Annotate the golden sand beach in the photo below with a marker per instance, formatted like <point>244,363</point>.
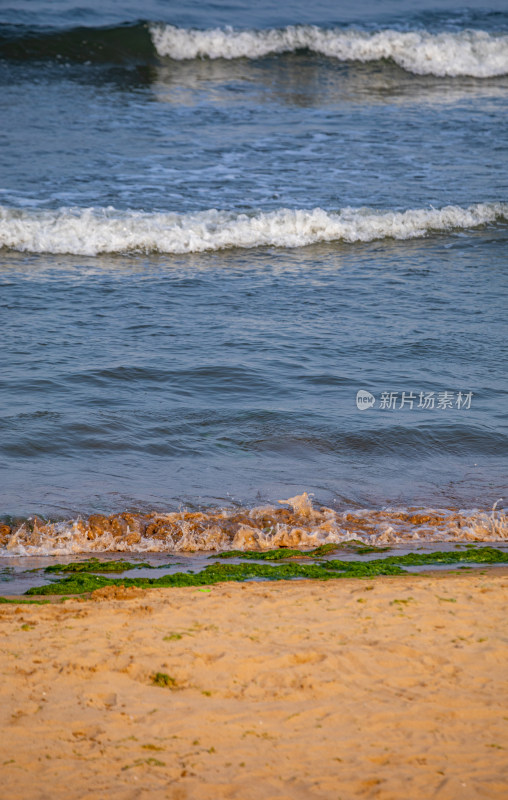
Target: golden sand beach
<point>388,688</point>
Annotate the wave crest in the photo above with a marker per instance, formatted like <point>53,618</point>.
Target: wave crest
<point>470,53</point>
<point>262,528</point>
<point>92,231</point>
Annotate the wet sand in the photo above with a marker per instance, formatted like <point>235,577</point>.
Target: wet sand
<point>387,688</point>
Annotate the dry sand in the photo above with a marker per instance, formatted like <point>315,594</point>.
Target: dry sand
<point>392,688</point>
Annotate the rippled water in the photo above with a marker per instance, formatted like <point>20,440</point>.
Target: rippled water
<point>206,254</point>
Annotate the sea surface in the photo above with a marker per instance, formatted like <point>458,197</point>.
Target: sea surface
<point>251,253</point>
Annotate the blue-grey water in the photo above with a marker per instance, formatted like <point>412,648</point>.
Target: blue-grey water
<point>215,230</point>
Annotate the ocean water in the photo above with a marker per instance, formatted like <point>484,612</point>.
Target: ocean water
<point>252,253</point>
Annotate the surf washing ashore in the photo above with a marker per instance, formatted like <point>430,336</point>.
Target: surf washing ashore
<point>253,426</point>
<point>258,529</point>
<point>305,541</point>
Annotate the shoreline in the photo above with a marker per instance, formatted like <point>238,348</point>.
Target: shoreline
<point>326,562</point>
<point>116,590</point>
<point>387,688</point>
<point>121,590</point>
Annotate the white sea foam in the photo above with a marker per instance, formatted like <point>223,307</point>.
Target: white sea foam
<point>92,231</point>
<point>262,528</point>
<point>473,53</point>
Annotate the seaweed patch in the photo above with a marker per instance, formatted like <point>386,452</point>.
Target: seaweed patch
<point>95,565</point>
<point>81,582</point>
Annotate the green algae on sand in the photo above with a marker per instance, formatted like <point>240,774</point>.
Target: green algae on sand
<point>82,582</point>
<point>94,565</point>
<point>17,601</point>
<point>164,680</point>
<point>286,552</point>
<point>218,573</point>
<point>478,555</point>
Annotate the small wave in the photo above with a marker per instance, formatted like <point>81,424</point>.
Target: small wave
<point>262,528</point>
<point>92,231</point>
<point>470,53</point>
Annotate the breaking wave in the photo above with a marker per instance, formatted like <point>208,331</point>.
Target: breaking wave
<point>471,53</point>
<point>263,528</point>
<point>92,231</point>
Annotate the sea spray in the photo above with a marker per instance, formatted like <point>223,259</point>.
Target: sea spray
<point>262,528</point>
<point>473,53</point>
